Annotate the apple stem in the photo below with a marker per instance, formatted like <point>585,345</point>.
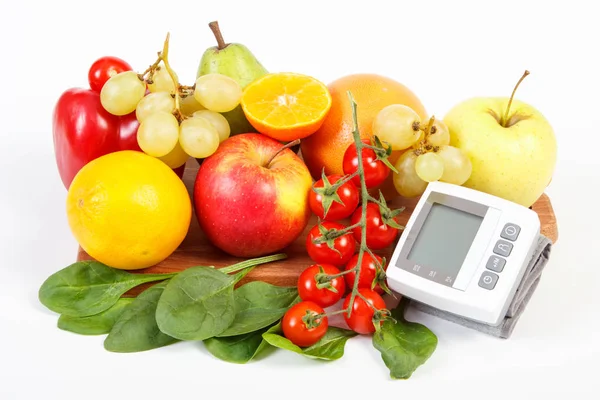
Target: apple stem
<point>214,27</point>
<point>505,117</point>
<point>286,146</point>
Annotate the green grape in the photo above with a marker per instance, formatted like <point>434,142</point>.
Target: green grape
<point>394,125</point>
<point>154,102</point>
<point>158,134</point>
<point>218,92</point>
<point>162,82</point>
<point>441,137</point>
<point>176,157</point>
<point>457,166</point>
<point>121,94</point>
<point>406,181</point>
<point>198,137</point>
<point>189,105</point>
<point>429,167</point>
<point>217,120</point>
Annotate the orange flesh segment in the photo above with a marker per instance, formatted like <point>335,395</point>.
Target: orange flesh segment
<point>287,100</point>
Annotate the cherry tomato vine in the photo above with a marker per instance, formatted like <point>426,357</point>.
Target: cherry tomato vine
<point>366,165</point>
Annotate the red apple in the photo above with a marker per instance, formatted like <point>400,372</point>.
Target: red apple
<point>248,206</point>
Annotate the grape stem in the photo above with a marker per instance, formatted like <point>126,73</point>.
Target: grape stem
<point>504,121</point>
<point>164,56</point>
<point>150,68</point>
<point>427,131</point>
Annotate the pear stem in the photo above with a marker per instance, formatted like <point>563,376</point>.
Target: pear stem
<point>505,117</point>
<point>287,146</point>
<point>214,27</point>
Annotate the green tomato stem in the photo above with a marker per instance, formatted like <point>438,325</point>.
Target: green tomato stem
<point>342,181</point>
<point>365,198</point>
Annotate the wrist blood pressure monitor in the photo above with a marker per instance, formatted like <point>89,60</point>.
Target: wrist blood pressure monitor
<point>464,252</point>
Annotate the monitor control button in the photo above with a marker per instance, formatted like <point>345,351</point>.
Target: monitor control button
<point>495,263</point>
<point>488,280</point>
<point>503,248</point>
<point>510,232</point>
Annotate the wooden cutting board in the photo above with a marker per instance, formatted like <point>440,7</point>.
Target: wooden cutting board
<point>196,250</point>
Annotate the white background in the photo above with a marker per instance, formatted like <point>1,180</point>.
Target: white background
<point>445,51</point>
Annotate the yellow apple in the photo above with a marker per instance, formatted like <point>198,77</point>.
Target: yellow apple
<point>514,160</point>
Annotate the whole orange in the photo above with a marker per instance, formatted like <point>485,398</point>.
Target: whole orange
<point>325,148</point>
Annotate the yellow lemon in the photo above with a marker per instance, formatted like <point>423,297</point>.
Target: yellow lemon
<point>128,210</point>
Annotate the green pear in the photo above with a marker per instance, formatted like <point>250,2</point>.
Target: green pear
<point>237,62</point>
<point>513,150</point>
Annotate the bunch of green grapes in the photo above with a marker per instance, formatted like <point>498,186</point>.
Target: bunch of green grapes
<point>428,156</point>
<point>195,128</point>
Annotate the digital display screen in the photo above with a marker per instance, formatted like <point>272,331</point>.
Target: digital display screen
<point>443,243</point>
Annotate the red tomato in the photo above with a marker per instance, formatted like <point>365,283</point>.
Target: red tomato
<point>321,253</point>
<point>368,272</point>
<point>379,235</point>
<point>296,330</point>
<point>361,318</point>
<point>348,194</point>
<point>103,69</point>
<point>308,290</point>
<point>375,170</point>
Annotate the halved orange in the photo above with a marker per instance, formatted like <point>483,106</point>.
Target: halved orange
<point>286,106</point>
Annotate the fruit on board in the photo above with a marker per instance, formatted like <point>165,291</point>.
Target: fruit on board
<point>105,68</point>
<point>302,325</point>
<point>286,106</point>
<point>235,61</point>
<point>375,171</point>
<point>332,205</point>
<point>251,200</point>
<point>361,318</point>
<point>128,210</point>
<point>217,92</point>
<point>314,286</point>
<point>121,94</point>
<point>325,148</point>
<point>513,153</point>
<point>83,131</point>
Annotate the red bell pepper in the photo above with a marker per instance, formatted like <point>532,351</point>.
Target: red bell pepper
<point>83,131</point>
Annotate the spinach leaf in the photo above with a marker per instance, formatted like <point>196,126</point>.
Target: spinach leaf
<point>136,328</point>
<point>197,304</point>
<point>237,349</point>
<point>330,347</point>
<point>404,345</point>
<point>98,324</point>
<point>257,305</point>
<point>89,287</point>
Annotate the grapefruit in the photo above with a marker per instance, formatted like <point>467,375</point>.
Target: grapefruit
<point>325,148</point>
<point>128,210</point>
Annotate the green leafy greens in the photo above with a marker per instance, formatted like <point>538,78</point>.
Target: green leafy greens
<point>88,287</point>
<point>404,345</point>
<point>136,328</point>
<point>330,347</point>
<point>257,305</point>
<point>97,324</point>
